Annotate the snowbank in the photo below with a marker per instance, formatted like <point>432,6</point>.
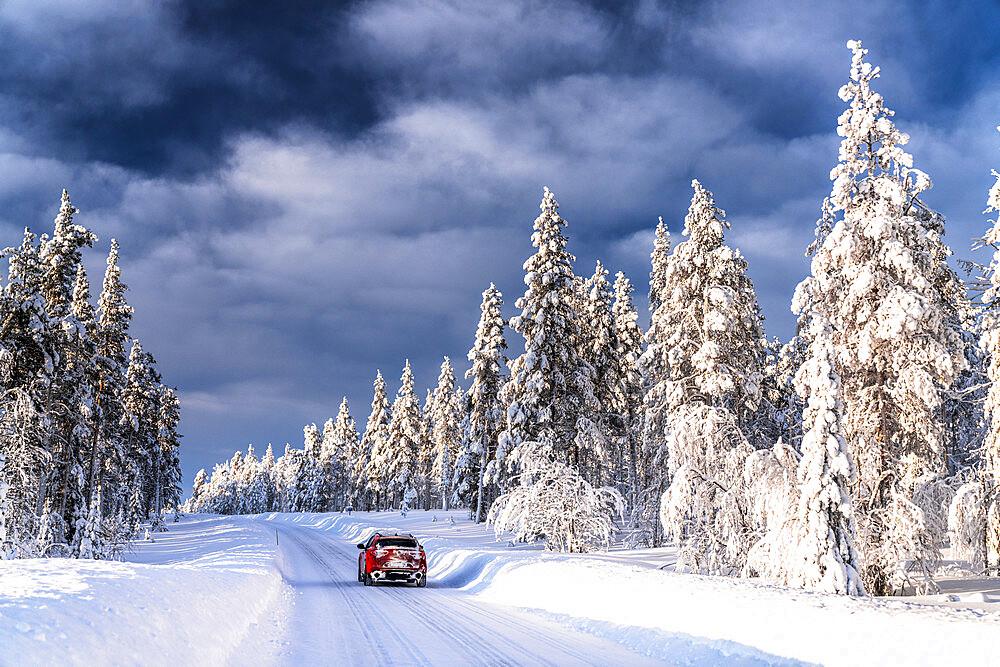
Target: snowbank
<point>190,597</point>
<point>625,596</point>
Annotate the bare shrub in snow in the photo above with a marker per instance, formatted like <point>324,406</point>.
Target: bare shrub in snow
<point>560,506</point>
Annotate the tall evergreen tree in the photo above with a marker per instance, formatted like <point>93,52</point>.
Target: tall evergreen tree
<point>600,350</point>
<point>465,481</point>
<point>627,396</point>
<point>405,433</point>
<point>79,380</point>
<point>376,444</point>
<point>703,367</point>
<point>141,454</point>
<point>330,492</point>
<point>446,416</point>
<point>880,279</point>
<point>486,414</point>
<point>60,258</point>
<point>113,318</point>
<point>312,479</point>
<point>167,486</point>
<point>345,434</point>
<point>550,383</point>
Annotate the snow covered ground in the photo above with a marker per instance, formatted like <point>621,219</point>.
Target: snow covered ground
<point>281,589</point>
<point>188,598</point>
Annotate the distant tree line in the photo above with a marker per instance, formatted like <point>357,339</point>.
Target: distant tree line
<point>88,431</point>
<point>841,460</point>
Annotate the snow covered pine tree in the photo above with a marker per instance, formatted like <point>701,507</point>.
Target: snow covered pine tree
<point>550,435</point>
<point>879,279</point>
<point>706,340</point>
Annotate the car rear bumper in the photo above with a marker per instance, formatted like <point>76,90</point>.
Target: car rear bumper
<point>408,576</point>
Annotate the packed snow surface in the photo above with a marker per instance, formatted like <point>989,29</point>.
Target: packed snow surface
<point>282,589</point>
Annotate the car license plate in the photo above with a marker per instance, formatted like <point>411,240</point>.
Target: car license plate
<point>397,563</point>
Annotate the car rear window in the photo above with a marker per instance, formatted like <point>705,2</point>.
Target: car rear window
<point>396,542</point>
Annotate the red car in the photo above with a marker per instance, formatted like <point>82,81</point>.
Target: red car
<point>393,557</point>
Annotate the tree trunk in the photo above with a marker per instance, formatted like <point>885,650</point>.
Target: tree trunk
<point>633,472</point>
<point>44,480</point>
<point>156,483</point>
<point>66,466</point>
<point>92,468</point>
<point>479,491</point>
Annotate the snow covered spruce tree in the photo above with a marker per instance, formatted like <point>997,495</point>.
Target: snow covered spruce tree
<point>167,470</point>
<point>600,350</point>
<point>375,443</point>
<point>28,338</point>
<point>654,373</point>
<point>703,372</point>
<point>551,385</point>
<point>612,347</point>
<point>424,478</point>
<point>465,481</point>
<point>114,316</point>
<point>446,416</point>
<point>627,390</point>
<point>309,484</point>
<point>345,438</point>
<point>879,278</point>
<point>990,494</point>
<point>485,411</point>
<point>60,258</point>
<point>550,436</point>
<point>404,437</point>
<point>817,551</point>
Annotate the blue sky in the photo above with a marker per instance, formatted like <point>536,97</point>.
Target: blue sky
<point>307,193</point>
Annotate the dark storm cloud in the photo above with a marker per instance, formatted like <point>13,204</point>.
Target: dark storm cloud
<point>305,194</point>
<point>159,87</point>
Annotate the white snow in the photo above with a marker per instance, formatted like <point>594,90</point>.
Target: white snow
<point>188,598</point>
<point>219,590</point>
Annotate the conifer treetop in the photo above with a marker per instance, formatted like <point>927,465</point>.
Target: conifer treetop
<point>705,223</point>
<point>61,255</point>
<point>658,265</point>
<point>871,146</point>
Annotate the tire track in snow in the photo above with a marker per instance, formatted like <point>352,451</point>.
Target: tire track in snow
<point>469,644</point>
<point>457,630</point>
<point>376,642</point>
<point>363,628</point>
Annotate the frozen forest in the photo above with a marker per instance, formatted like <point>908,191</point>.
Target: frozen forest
<point>842,460</point>
<point>88,431</point>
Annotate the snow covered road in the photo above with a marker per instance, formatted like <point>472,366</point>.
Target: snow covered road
<point>281,589</point>
<point>333,618</point>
